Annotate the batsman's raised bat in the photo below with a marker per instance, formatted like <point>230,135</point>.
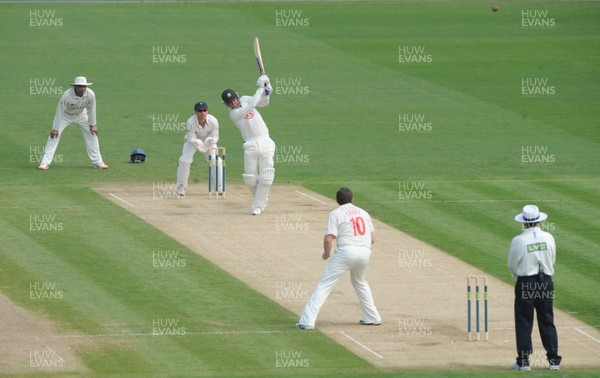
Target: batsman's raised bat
<point>259,60</point>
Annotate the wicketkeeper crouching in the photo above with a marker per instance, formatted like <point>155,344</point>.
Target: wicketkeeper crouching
<point>202,134</point>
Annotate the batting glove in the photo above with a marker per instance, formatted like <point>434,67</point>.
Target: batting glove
<point>262,80</point>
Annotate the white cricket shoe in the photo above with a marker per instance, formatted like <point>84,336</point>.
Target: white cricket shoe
<point>304,326</point>
<point>257,211</point>
<point>101,165</point>
<point>180,191</point>
<point>43,167</point>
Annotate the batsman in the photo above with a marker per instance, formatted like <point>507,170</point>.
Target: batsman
<point>259,148</point>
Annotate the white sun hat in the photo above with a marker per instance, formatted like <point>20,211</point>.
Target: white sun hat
<point>81,80</point>
<point>531,214</point>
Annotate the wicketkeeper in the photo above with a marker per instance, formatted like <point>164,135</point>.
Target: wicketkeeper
<point>259,148</point>
<point>202,135</point>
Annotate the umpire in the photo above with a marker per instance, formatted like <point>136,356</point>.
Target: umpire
<point>531,262</point>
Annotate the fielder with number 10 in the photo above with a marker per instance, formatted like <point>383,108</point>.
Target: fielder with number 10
<point>353,231</point>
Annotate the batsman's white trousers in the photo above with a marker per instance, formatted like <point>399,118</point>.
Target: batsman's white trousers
<point>91,141</point>
<point>355,260</point>
<point>258,154</point>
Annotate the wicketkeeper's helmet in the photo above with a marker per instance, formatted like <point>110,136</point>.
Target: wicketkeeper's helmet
<point>138,156</point>
<point>228,95</point>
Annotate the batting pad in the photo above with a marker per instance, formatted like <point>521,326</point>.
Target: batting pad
<point>250,180</point>
<point>263,187</point>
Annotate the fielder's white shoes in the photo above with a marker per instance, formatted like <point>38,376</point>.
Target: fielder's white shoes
<point>257,211</point>
<point>180,191</point>
<point>43,167</point>
<point>303,326</point>
<point>362,322</point>
<point>101,165</point>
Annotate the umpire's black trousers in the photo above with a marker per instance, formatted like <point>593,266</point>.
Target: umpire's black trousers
<point>535,293</point>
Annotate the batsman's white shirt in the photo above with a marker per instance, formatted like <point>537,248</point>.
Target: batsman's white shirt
<point>351,225</point>
<point>195,131</point>
<point>531,251</point>
<point>247,119</point>
<point>72,108</point>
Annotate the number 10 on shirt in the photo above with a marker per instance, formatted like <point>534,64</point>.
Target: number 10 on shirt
<point>358,225</point>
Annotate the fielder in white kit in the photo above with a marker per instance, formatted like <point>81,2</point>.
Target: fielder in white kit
<point>77,105</point>
<point>353,231</point>
<point>202,135</point>
<point>259,148</point>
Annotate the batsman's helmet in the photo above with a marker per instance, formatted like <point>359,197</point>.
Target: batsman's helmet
<point>138,156</point>
<point>228,95</point>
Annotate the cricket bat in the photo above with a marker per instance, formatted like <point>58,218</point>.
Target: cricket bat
<point>257,54</point>
<point>259,60</point>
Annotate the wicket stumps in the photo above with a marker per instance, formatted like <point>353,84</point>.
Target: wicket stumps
<point>473,282</point>
<point>216,172</point>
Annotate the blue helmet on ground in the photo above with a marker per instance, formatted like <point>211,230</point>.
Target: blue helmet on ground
<point>138,156</point>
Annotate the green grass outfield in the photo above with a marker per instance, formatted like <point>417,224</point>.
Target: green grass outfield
<point>504,115</point>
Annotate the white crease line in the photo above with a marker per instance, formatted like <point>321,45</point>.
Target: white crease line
<point>312,198</point>
<point>362,345</point>
<point>121,199</point>
<point>588,335</point>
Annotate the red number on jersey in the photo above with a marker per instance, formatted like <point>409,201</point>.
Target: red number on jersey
<point>358,224</point>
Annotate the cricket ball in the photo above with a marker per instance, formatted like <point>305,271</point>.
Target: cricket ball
<point>495,8</point>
